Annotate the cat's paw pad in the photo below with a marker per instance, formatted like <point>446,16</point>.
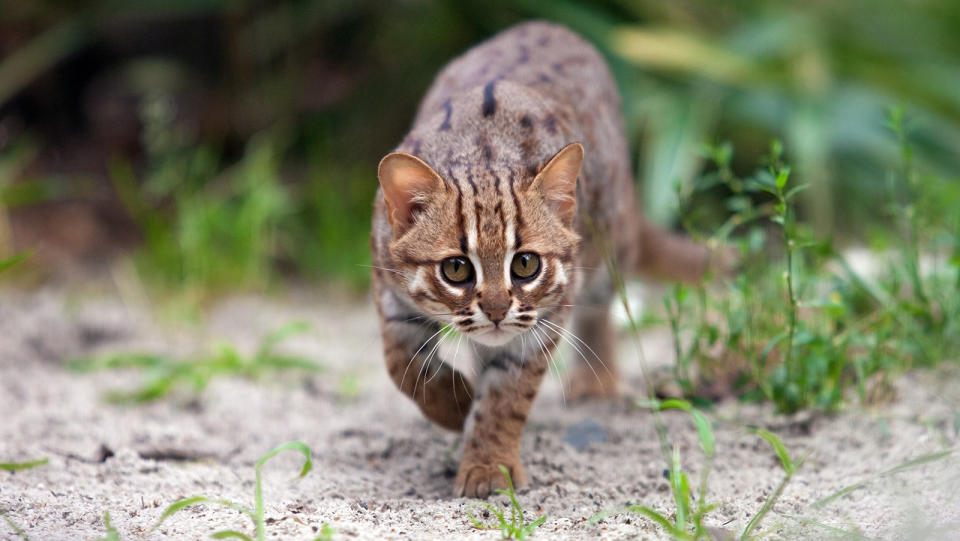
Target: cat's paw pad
<point>479,480</point>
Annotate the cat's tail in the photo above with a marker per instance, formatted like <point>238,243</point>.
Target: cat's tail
<point>670,256</point>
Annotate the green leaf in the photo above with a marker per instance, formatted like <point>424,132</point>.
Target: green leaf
<point>279,335</point>
<point>326,533</point>
<point>660,520</point>
<point>13,525</point>
<point>289,446</point>
<point>479,525</point>
<point>18,466</point>
<point>179,505</point>
<point>779,448</point>
<point>782,176</point>
<point>896,469</point>
<point>231,534</point>
<point>13,261</point>
<point>111,534</point>
<point>795,190</point>
<point>533,526</point>
<point>704,429</point>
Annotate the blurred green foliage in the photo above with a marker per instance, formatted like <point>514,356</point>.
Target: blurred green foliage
<point>305,97</point>
<point>803,332</point>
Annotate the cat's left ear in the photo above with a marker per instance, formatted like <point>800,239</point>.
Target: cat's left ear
<point>407,183</point>
<point>557,181</point>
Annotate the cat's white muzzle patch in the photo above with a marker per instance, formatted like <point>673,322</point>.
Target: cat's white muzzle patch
<point>493,337</point>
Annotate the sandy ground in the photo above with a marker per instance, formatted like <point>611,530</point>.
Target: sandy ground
<point>381,471</point>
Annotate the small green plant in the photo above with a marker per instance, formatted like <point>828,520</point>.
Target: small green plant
<point>514,528</point>
<point>687,524</point>
<point>111,534</point>
<point>163,375</point>
<point>257,513</point>
<point>689,515</point>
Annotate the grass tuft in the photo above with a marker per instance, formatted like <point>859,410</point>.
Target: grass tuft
<point>163,375</point>
<point>514,528</point>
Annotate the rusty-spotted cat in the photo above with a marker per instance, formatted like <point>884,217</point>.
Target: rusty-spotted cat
<point>482,226</point>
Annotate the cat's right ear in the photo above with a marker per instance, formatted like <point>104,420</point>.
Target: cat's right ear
<point>407,183</point>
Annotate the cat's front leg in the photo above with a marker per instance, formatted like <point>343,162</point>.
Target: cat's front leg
<point>505,393</point>
<point>410,348</point>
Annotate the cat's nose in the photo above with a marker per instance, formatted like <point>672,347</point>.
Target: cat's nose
<point>495,312</point>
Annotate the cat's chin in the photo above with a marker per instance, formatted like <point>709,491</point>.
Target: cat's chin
<point>493,337</point>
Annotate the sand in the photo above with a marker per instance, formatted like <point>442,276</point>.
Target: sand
<point>382,472</point>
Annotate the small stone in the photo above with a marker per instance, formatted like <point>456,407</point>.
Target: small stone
<point>583,434</point>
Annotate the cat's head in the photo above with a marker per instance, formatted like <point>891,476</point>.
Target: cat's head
<point>487,255</point>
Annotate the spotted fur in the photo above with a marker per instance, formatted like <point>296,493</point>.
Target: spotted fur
<point>518,147</point>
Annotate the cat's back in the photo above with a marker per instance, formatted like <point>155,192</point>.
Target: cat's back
<point>546,58</point>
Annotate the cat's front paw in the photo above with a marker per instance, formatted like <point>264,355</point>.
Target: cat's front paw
<point>475,480</point>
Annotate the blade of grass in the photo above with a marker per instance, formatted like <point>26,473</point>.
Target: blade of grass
<point>661,520</point>
<point>788,466</point>
<point>19,466</point>
<point>13,525</point>
<point>779,448</point>
<point>843,534</point>
<point>924,459</point>
<point>179,505</point>
<point>231,534</point>
<point>25,64</point>
<point>258,487</point>
<point>13,261</point>
<point>111,534</point>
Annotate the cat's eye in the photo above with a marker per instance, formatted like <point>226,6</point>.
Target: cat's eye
<point>457,269</point>
<point>525,265</point>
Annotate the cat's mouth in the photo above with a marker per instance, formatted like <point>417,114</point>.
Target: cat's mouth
<point>493,336</point>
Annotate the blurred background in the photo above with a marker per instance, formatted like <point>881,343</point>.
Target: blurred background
<point>211,145</point>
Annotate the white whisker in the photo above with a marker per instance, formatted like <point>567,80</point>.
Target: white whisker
<point>550,360</point>
<point>573,345</point>
<point>568,332</point>
<point>414,356</point>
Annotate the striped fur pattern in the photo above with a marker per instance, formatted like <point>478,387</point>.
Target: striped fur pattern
<point>517,153</point>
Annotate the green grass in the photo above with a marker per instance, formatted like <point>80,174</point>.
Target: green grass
<point>256,514</point>
<point>517,526</point>
<point>691,508</point>
<point>806,331</point>
<point>163,375</point>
